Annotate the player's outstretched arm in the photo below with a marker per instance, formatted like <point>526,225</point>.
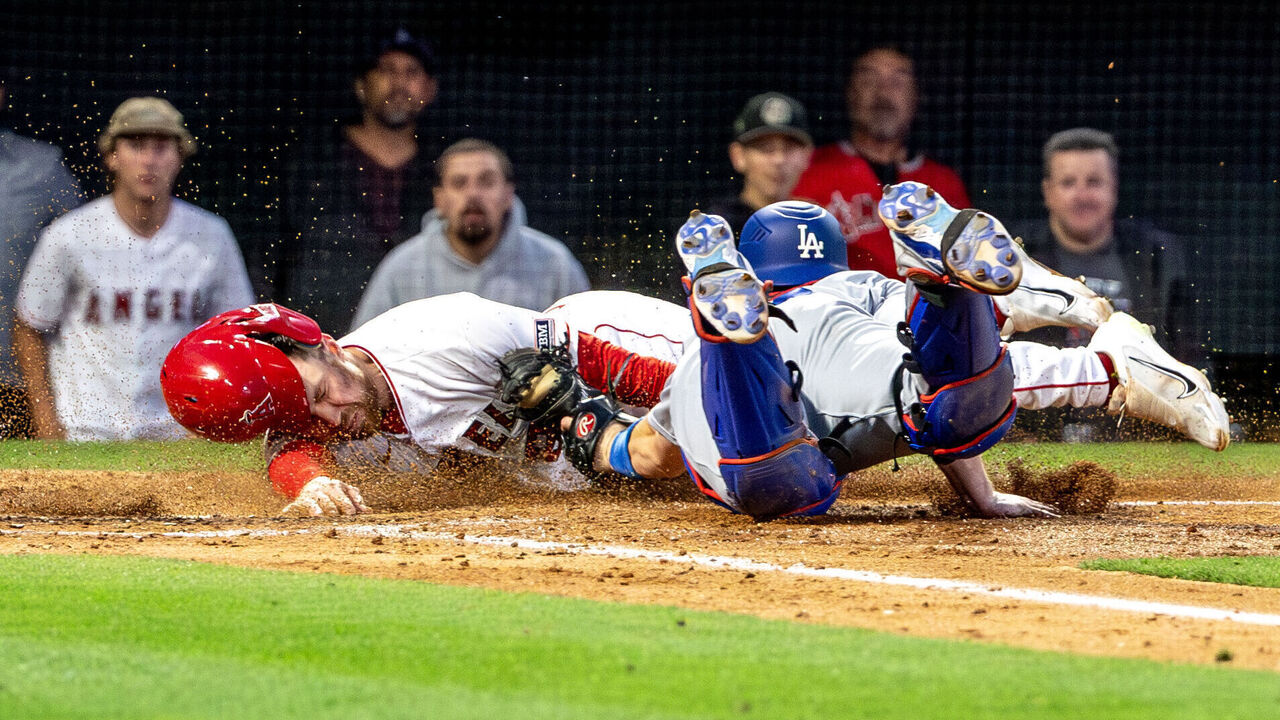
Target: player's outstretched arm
<point>969,479</point>
<point>649,455</point>
<point>652,455</point>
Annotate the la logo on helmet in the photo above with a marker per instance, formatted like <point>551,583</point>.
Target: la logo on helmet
<point>809,243</point>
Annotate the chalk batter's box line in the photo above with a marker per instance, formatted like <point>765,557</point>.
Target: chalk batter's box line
<point>721,562</point>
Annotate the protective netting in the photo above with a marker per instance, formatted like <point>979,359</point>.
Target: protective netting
<point>617,114</point>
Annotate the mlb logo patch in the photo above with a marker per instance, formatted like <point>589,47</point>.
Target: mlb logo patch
<point>544,329</point>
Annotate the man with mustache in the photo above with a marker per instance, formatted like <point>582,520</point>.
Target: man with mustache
<point>846,177</point>
<point>352,195</point>
<point>475,240</point>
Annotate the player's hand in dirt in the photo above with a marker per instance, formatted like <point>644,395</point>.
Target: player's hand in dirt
<point>326,496</point>
<point>1010,505</point>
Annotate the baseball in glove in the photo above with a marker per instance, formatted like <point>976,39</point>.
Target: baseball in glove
<point>541,384</point>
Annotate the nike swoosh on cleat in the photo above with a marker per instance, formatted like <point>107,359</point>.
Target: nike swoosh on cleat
<point>1188,385</point>
<point>1067,298</point>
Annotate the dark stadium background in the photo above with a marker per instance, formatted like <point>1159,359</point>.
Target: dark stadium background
<point>616,115</point>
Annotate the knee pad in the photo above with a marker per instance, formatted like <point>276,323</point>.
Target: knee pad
<point>750,398</point>
<point>796,479</point>
<point>964,418</point>
<point>953,336</point>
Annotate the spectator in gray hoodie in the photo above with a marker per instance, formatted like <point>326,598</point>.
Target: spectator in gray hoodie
<point>475,240</point>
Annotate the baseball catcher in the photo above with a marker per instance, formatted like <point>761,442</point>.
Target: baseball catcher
<point>778,401</point>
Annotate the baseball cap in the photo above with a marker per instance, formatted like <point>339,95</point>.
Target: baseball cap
<point>401,41</point>
<point>147,116</point>
<point>769,113</point>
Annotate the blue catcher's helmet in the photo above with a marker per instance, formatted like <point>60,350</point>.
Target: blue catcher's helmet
<point>793,243</point>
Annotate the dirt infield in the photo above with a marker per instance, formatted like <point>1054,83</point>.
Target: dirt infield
<point>652,547</point>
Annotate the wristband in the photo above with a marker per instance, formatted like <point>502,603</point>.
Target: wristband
<point>620,453</point>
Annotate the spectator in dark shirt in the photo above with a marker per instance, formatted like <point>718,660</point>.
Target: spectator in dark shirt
<point>771,147</point>
<point>350,199</point>
<point>1140,268</point>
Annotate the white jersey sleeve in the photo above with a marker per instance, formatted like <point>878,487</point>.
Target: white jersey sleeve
<point>637,323</point>
<point>46,284</point>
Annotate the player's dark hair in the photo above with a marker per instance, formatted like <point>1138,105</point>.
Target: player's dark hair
<point>467,145</point>
<point>1081,138</point>
<point>879,47</point>
<point>290,347</point>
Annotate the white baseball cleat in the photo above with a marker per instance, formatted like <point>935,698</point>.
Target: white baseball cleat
<point>917,218</point>
<point>1047,298</point>
<point>1154,386</point>
<point>723,288</point>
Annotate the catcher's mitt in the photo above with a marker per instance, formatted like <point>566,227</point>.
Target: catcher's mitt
<point>541,384</point>
<point>590,418</point>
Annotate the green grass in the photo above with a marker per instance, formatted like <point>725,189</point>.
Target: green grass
<point>1148,459</point>
<point>183,455</point>
<point>1257,570</point>
<point>89,637</point>
<point>1130,459</point>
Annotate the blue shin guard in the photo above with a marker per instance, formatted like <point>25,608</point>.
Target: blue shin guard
<point>770,464</point>
<point>955,346</point>
<point>796,479</point>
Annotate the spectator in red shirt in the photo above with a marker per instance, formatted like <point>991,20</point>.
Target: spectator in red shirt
<point>846,177</point>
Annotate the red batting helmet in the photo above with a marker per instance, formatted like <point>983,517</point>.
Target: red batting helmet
<point>224,382</point>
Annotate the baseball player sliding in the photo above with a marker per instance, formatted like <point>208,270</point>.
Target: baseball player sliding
<point>416,382</point>
<point>768,409</point>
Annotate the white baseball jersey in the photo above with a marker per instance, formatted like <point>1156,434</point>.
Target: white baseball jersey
<point>440,357</point>
<point>112,304</point>
<point>846,345</point>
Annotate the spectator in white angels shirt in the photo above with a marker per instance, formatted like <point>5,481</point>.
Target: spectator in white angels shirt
<point>112,285</point>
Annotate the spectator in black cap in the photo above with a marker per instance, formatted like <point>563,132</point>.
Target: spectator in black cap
<point>353,195</point>
<point>770,149</point>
